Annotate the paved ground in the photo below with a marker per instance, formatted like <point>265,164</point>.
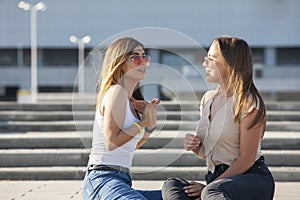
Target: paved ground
<point>63,190</point>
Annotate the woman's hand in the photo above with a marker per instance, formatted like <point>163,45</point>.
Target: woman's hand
<point>192,142</point>
<point>149,114</point>
<point>194,189</point>
<point>139,105</point>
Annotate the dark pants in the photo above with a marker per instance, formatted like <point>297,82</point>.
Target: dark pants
<point>255,184</point>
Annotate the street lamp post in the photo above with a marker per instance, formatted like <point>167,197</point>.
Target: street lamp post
<point>80,41</point>
<point>33,36</point>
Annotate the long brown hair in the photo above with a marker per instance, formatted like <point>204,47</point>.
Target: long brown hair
<point>237,58</point>
<point>116,54</point>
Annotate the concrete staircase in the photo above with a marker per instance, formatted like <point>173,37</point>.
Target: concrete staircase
<point>51,141</point>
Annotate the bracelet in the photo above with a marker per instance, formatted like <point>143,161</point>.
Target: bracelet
<point>149,130</point>
<point>138,126</point>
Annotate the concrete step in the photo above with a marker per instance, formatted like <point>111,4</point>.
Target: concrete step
<point>86,115</point>
<point>283,115</point>
<point>198,173</point>
<point>45,116</point>
<point>161,115</point>
<point>37,140</point>
<point>283,126</point>
<point>143,157</point>
<point>165,105</point>
<point>25,126</point>
<point>283,105</point>
<point>40,106</point>
<point>43,157</point>
<point>181,157</point>
<point>138,173</point>
<point>273,140</point>
<point>66,97</point>
<point>69,106</point>
<point>83,125</point>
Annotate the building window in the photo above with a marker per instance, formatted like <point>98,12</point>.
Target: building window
<point>288,56</point>
<point>27,57</point>
<point>8,57</point>
<point>55,57</point>
<point>258,55</point>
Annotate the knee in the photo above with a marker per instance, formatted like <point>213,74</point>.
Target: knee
<point>174,183</point>
<point>211,191</point>
<point>205,192</point>
<point>173,187</point>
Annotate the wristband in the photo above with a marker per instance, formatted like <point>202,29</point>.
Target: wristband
<point>149,130</point>
<point>138,126</point>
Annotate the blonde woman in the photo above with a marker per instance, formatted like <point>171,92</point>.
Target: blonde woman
<point>229,133</point>
<point>123,122</point>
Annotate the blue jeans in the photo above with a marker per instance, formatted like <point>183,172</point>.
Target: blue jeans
<point>112,185</point>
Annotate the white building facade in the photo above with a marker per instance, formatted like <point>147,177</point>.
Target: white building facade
<point>173,30</point>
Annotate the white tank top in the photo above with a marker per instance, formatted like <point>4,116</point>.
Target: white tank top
<point>121,156</point>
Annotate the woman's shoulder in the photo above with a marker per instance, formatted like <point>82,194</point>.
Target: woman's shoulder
<point>116,93</point>
<point>118,90</point>
<point>252,103</point>
<point>208,95</point>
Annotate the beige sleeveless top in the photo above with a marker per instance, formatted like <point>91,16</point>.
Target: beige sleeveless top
<point>220,136</point>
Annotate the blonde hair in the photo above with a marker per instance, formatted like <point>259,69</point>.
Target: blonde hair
<point>236,55</point>
<point>116,54</point>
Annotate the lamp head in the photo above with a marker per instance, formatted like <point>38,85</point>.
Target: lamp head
<point>73,39</point>
<point>86,39</point>
<point>23,5</point>
<point>41,6</point>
